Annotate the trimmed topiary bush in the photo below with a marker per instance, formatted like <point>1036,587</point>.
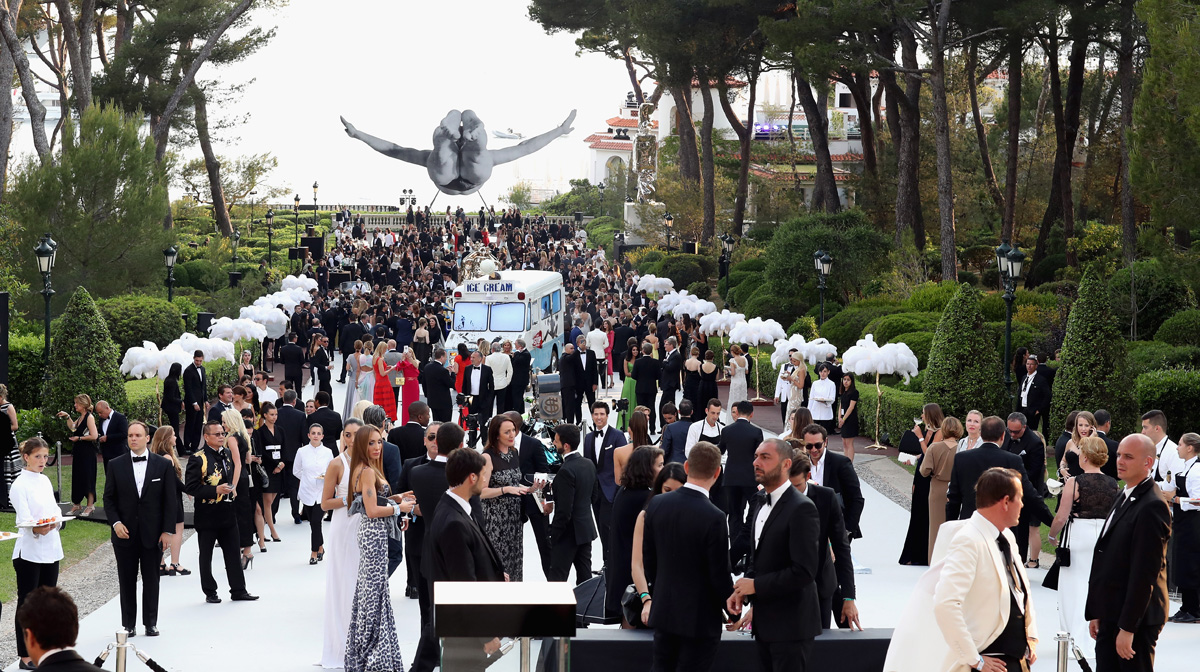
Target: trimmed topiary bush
<point>134,318</point>
<point>968,277</point>
<point>886,328</point>
<point>1159,296</point>
<point>1175,392</point>
<point>205,275</point>
<point>700,289</point>
<point>83,359</point>
<point>1092,367</point>
<point>1045,270</point>
<point>964,367</point>
<point>1182,328</point>
<point>1067,288</point>
<point>26,370</point>
<point>897,408</point>
<point>845,328</point>
<point>740,295</point>
<point>765,304</point>
<point>755,265</point>
<point>683,270</point>
<point>1147,356</point>
<point>805,326</point>
<point>831,308</point>
<point>919,342</point>
<point>739,276</point>
<point>931,297</point>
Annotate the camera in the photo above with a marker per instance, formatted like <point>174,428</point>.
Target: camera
<point>620,405</point>
<point>464,399</point>
<point>472,421</point>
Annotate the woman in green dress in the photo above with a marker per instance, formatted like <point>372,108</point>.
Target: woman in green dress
<point>627,389</point>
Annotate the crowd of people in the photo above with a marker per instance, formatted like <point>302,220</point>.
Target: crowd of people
<point>684,492</point>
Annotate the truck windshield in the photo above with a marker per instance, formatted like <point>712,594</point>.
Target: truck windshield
<point>508,317</point>
<point>469,316</point>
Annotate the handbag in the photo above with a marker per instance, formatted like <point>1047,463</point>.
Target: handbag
<point>631,607</point>
<point>1063,555</point>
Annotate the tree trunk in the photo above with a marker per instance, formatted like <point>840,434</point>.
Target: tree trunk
<point>1125,75</point>
<point>689,154</point>
<point>37,111</point>
<point>707,162</point>
<point>211,163</point>
<point>908,151</point>
<point>941,130</point>
<point>78,35</point>
<point>859,84</point>
<point>7,71</point>
<point>825,195</point>
<point>989,174</point>
<point>1016,62</point>
<point>745,134</point>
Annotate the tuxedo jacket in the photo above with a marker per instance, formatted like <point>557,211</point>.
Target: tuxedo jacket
<point>1039,394</point>
<point>839,475</point>
<point>591,370</point>
<point>205,471</point>
<point>117,442</point>
<point>674,440</point>
<point>410,437</point>
<point>438,384</point>
<point>738,442</point>
<point>522,365</point>
<point>602,457</point>
<point>459,551</point>
<point>292,427</point>
<point>646,371</point>
<point>685,552</point>
<point>1110,467</point>
<point>415,534</point>
<point>969,465</point>
<point>1128,583</point>
<point>331,425</point>
<point>428,484</point>
<point>66,661</point>
<point>487,389</point>
<point>292,356</point>
<point>574,485</point>
<point>784,568</point>
<point>671,367</point>
<point>149,514</point>
<point>570,371</point>
<point>195,386</point>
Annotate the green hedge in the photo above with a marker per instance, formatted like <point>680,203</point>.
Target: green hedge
<point>143,400</point>
<point>993,308</point>
<point>1145,356</point>
<point>964,366</point>
<point>845,328</point>
<point>887,327</point>
<point>805,326</point>
<point>682,270</point>
<point>83,358</point>
<point>765,303</point>
<point>1045,269</point>
<point>740,295</point>
<point>931,297</point>
<point>1067,288</point>
<point>919,342</point>
<point>700,289</point>
<point>1182,328</point>
<point>831,308</point>
<point>1159,295</point>
<point>737,277</point>
<point>134,318</point>
<point>755,265</point>
<point>26,371</point>
<point>896,411</point>
<point>1175,392</point>
<point>204,275</point>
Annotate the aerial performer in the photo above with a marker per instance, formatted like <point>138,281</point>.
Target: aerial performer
<point>460,162</point>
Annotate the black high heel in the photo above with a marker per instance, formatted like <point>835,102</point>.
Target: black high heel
<point>312,561</point>
<point>320,555</point>
<point>162,569</point>
<point>275,538</point>
<point>247,561</point>
<point>180,570</point>
<point>262,549</point>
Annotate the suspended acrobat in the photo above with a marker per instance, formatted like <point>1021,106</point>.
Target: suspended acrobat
<point>460,162</point>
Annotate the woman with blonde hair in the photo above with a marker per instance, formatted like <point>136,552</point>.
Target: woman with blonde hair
<point>1085,426</point>
<point>937,465</point>
<point>237,440</point>
<point>971,438</point>
<point>383,395</point>
<point>163,444</point>
<point>83,454</point>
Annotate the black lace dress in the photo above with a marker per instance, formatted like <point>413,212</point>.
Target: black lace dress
<point>502,515</point>
<point>691,388</point>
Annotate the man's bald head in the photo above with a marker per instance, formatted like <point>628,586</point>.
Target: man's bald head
<point>1135,458</point>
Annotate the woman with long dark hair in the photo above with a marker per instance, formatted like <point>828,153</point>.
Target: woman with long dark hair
<point>501,500</point>
<point>639,435</point>
<point>637,479</point>
<point>268,445</point>
<point>163,444</point>
<point>848,414</point>
<point>38,550</point>
<point>670,478</point>
<point>172,401</point>
<point>916,542</point>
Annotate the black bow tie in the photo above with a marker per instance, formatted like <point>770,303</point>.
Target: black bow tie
<point>140,459</point>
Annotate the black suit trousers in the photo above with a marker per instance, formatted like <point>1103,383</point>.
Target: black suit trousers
<point>783,656</point>
<point>428,655</point>
<point>570,400</point>
<point>131,557</point>
<point>541,531</point>
<point>736,499</point>
<point>675,653</point>
<point>1144,640</point>
<point>602,508</point>
<point>230,551</point>
<point>564,554</point>
<point>192,431</point>
<point>440,414</point>
<point>646,399</point>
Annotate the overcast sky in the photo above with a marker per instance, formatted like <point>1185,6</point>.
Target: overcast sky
<point>394,68</point>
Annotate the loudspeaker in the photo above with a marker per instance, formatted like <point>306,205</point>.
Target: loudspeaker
<point>690,247</point>
<point>203,321</point>
<point>336,278</point>
<point>296,253</point>
<point>315,244</point>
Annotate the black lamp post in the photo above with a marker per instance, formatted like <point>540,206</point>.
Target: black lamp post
<point>169,256</point>
<point>668,222</point>
<point>1009,259</point>
<point>296,215</point>
<point>823,263</point>
<point>314,204</point>
<point>235,276</point>
<point>270,227</point>
<point>601,199</point>
<point>253,193</point>
<point>46,252</point>
<point>727,243</point>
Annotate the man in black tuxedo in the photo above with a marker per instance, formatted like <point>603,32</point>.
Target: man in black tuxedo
<point>292,356</point>
<point>114,430</point>
<point>49,625</point>
<point>195,396</point>
<point>646,372</point>
<point>140,501</point>
<point>835,471</point>
<point>532,456</point>
<point>410,437</point>
<point>782,570</point>
<point>479,384</point>
<point>1033,395</point>
<point>351,331</point>
<point>834,574</point>
<point>598,447</point>
<point>674,434</point>
<point>969,465</point>
<point>459,551</point>
<point>293,427</point>
<point>685,552</point>
<point>672,368</point>
<point>223,402</point>
<point>329,420</point>
<point>522,366</point>
<point>1022,441</point>
<point>738,443</point>
<point>414,529</point>
<point>1103,426</point>
<point>572,531</point>
<point>428,484</point>
<point>591,371</point>
<point>209,479</point>
<point>571,378</point>
<point>621,336</point>
<point>322,366</point>
<point>1127,591</point>
<point>438,384</point>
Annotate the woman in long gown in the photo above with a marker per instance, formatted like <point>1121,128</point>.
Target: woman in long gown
<point>800,383</point>
<point>410,390</point>
<point>937,465</point>
<point>691,378</point>
<point>916,542</point>
<point>83,454</point>
<point>371,641</point>
<point>383,395</point>
<point>637,479</point>
<point>708,383</point>
<point>366,373</point>
<point>352,384</point>
<point>1086,501</point>
<point>172,401</point>
<point>501,500</point>
<point>737,378</point>
<point>421,345</point>
<point>629,387</point>
<point>341,568</point>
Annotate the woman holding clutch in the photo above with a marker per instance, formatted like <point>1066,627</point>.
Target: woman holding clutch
<point>38,549</point>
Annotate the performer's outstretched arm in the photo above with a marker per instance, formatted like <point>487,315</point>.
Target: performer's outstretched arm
<point>388,148</point>
<point>531,145</point>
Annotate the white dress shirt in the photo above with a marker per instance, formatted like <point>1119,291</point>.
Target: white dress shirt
<point>464,504</point>
<point>139,468</point>
<point>1025,385</point>
<point>697,488</point>
<point>104,425</point>
<point>311,462</point>
<point>822,389</point>
<point>33,498</point>
<point>818,468</point>
<point>475,373</point>
<point>699,430</point>
<point>764,512</point>
<point>1167,465</point>
<point>501,369</point>
<point>1121,502</point>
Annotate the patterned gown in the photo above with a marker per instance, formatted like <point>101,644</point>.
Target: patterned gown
<point>502,515</point>
<point>371,642</point>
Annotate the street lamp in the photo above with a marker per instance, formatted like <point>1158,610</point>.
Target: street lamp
<point>727,243</point>
<point>601,199</point>
<point>169,256</point>
<point>668,221</point>
<point>1010,259</point>
<point>270,227</point>
<point>296,215</point>
<point>237,238</point>
<point>314,204</point>
<point>823,263</point>
<point>46,252</point>
<point>253,193</point>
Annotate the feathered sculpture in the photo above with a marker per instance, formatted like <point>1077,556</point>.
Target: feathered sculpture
<point>757,332</point>
<point>213,348</point>
<point>235,330</point>
<point>694,308</point>
<point>655,285</point>
<point>818,349</point>
<point>667,303</point>
<point>784,347</point>
<point>273,319</point>
<point>866,357</point>
<point>720,323</point>
<point>302,282</point>
<point>142,362</point>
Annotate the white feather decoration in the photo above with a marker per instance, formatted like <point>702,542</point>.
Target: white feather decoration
<point>302,282</point>
<point>235,330</point>
<point>818,349</point>
<point>757,331</point>
<point>866,357</point>
<point>720,323</point>
<point>213,348</point>
<point>655,285</point>
<point>170,355</point>
<point>783,348</point>
<point>667,303</point>
<point>142,362</point>
<point>273,319</point>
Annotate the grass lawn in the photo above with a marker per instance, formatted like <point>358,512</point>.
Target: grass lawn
<point>79,537</point>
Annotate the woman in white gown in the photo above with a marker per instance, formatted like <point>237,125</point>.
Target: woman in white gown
<point>341,550</point>
<point>1086,501</point>
<point>352,363</point>
<point>798,380</point>
<point>737,376</point>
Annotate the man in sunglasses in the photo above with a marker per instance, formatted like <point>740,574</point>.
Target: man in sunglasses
<point>835,471</point>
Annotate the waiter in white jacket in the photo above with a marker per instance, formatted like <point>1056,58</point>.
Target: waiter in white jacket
<point>501,363</point>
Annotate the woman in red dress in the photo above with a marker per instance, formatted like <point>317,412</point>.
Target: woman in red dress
<point>461,361</point>
<point>383,395</point>
<point>410,390</point>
